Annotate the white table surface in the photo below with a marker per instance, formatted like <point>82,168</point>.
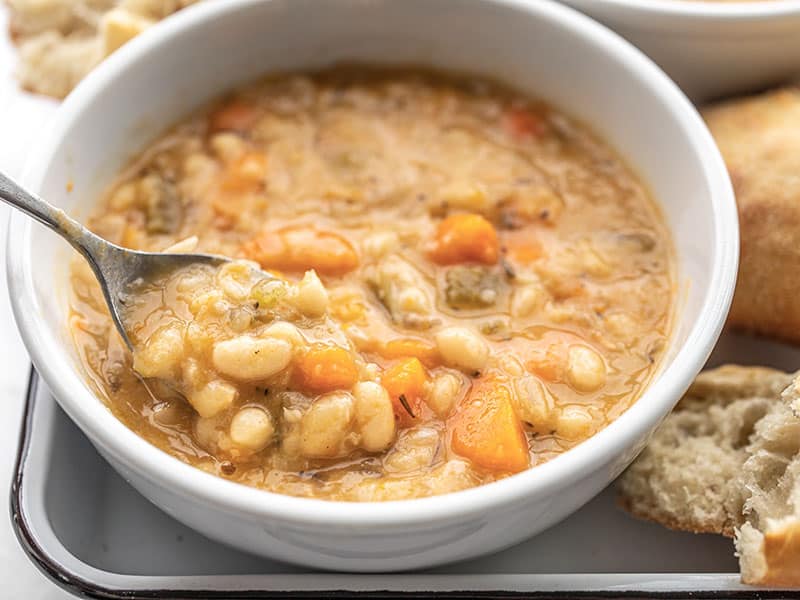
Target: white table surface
<point>22,116</point>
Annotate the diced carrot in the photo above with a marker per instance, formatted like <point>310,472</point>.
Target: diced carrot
<point>524,123</point>
<point>526,253</point>
<point>296,249</point>
<point>465,237</point>
<point>522,247</point>
<point>485,429</point>
<point>235,115</point>
<point>424,350</point>
<point>405,381</point>
<point>323,368</point>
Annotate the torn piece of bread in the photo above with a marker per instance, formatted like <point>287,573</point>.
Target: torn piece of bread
<point>759,138</point>
<point>685,477</point>
<point>768,542</point>
<point>119,26</point>
<point>727,460</point>
<point>53,64</point>
<point>31,17</point>
<point>60,41</point>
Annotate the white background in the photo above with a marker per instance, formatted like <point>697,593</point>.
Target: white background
<point>22,117</point>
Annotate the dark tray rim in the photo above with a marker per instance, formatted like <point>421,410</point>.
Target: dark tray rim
<point>81,587</point>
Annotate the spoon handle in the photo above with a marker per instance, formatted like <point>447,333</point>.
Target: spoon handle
<point>83,240</point>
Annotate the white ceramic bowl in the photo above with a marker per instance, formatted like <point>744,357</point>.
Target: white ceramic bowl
<point>542,47</point>
<point>711,49</point>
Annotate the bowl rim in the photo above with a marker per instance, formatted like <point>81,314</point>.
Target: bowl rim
<point>162,470</point>
<point>752,10</point>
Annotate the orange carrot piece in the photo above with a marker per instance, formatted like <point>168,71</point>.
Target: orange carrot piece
<point>522,247</point>
<point>405,381</point>
<point>524,123</point>
<point>300,248</point>
<point>323,368</point>
<point>235,115</point>
<point>465,237</point>
<point>485,429</point>
<point>425,351</point>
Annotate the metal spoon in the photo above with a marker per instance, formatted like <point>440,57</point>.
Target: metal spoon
<point>118,269</point>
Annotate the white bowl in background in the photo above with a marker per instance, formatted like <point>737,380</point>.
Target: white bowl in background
<point>711,49</point>
<point>540,47</point>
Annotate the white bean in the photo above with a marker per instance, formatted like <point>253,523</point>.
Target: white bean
<point>462,348</point>
<point>443,392</point>
<point>533,404</point>
<point>161,354</point>
<point>527,299</point>
<point>192,281</point>
<point>235,279</point>
<point>379,244</point>
<point>621,325</point>
<point>574,423</point>
<point>247,358</point>
<point>227,146</point>
<point>374,415</point>
<point>325,426</point>
<point>208,432</point>
<point>415,450</point>
<point>283,330</point>
<point>198,164</point>
<point>465,195</point>
<point>591,262</point>
<point>184,246</point>
<point>252,428</point>
<point>586,371</point>
<point>207,304</point>
<point>412,300</point>
<point>311,298</point>
<point>212,398</point>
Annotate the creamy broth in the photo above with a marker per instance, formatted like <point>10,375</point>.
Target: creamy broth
<point>440,282</point>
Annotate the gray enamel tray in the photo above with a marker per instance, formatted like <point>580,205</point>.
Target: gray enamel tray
<point>95,536</point>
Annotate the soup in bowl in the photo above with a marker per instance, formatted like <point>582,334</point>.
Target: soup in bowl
<point>450,283</point>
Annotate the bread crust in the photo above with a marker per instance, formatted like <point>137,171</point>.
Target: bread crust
<point>626,503</point>
<point>781,550</point>
<point>759,138</point>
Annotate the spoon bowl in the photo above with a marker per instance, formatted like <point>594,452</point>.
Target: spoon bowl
<point>119,270</point>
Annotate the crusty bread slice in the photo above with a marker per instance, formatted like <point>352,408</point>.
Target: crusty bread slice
<point>727,460</point>
<point>759,137</point>
<point>768,542</point>
<point>685,478</point>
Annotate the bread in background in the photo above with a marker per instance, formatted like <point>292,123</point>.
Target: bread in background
<point>60,41</point>
<point>759,138</point>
